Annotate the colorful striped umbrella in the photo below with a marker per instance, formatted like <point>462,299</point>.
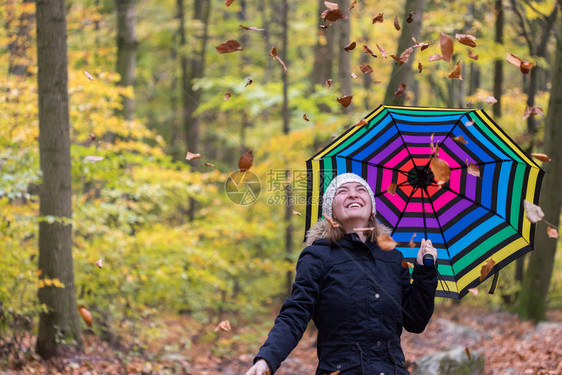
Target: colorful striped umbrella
<point>470,219</point>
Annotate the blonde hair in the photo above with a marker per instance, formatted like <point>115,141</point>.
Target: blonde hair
<point>336,234</point>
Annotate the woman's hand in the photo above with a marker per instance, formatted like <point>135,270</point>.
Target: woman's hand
<point>426,248</point>
<point>260,368</point>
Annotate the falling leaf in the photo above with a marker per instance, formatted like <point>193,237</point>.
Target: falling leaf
<point>524,66</point>
<point>382,51</point>
<point>88,75</point>
<point>441,170</point>
<point>332,14</point>
<point>552,232</point>
<point>460,139</point>
<point>92,137</point>
<point>251,28</point>
<point>467,40</point>
<point>404,57</point>
<point>363,229</point>
<point>305,117</point>
<point>392,188</point>
<point>475,57</point>
<point>472,169</point>
<point>99,263</point>
<point>366,68</point>
<point>228,3</point>
<point>332,222</point>
<point>456,73</point>
<point>296,213</point>
<point>333,373</point>
<point>361,123</point>
<point>324,26</point>
<point>386,242</point>
<point>246,161</point>
<point>329,83</point>
<point>86,315</point>
<point>486,269</point>
<point>491,100</point>
<point>331,6</point>
<point>368,50</point>
<point>419,66</point>
<point>410,17</point>
<point>353,75</point>
<point>223,326</point>
<point>273,54</point>
<point>353,4</point>
<point>435,57</point>
<point>407,264</point>
<point>227,47</point>
<point>396,23</point>
<point>447,47</point>
<point>227,96</point>
<point>379,18</point>
<point>473,291</point>
<point>468,353</point>
<point>400,90</point>
<point>345,101</point>
<point>532,211</point>
<point>350,47</point>
<point>377,82</point>
<point>248,82</point>
<point>423,45</point>
<point>532,111</point>
<point>469,123</point>
<point>411,243</point>
<point>540,156</point>
<point>38,273</point>
<point>191,156</point>
<point>93,158</point>
<point>210,165</point>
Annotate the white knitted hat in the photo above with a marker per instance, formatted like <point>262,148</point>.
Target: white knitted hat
<point>339,180</point>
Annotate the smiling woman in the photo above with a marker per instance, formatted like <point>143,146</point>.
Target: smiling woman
<point>358,295</point>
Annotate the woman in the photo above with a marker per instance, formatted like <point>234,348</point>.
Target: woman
<point>358,295</point>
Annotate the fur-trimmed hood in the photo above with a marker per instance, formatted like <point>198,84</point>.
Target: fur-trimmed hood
<point>319,230</point>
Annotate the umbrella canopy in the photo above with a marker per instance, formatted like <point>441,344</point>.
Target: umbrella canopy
<point>475,216</point>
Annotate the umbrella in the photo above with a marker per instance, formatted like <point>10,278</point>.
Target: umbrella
<point>475,216</point>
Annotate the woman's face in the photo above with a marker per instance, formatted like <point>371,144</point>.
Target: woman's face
<point>352,203</point>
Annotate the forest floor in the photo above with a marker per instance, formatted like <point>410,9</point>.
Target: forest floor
<point>509,346</point>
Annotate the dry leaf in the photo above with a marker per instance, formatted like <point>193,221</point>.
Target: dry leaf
<point>366,68</point>
<point>491,100</point>
<point>379,18</point>
<point>92,137</point>
<point>460,139</point>
<point>228,3</point>
<point>469,123</point>
<point>486,269</point>
<point>473,291</point>
<point>532,111</point>
<point>419,67</point>
<point>392,188</point>
<point>524,66</point>
<point>368,50</point>
<point>332,15</point>
<point>296,213</point>
<point>467,40</point>
<point>361,123</point>
<point>229,46</point>
<point>345,101</point>
<point>386,242</point>
<point>223,326</point>
<point>400,90</point>
<point>350,46</point>
<point>532,211</point>
<point>353,75</point>
<point>422,45</point>
<point>472,169</point>
<point>273,54</point>
<point>86,315</point>
<point>456,73</point>
<point>407,264</point>
<point>363,229</point>
<point>353,4</point>
<point>88,75</point>
<point>382,51</point>
<point>435,57</point>
<point>332,222</point>
<point>210,165</point>
<point>252,28</point>
<point>246,161</point>
<point>93,158</point>
<point>396,23</point>
<point>99,263</point>
<point>404,57</point>
<point>552,232</point>
<point>227,96</point>
<point>468,353</point>
<point>441,170</point>
<point>447,46</point>
<point>410,17</point>
<point>475,57</point>
<point>248,82</point>
<point>329,83</point>
<point>191,156</point>
<point>540,156</point>
<point>305,117</point>
<point>331,6</point>
<point>411,243</point>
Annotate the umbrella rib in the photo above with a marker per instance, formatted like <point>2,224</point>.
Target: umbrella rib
<point>493,162</point>
<point>401,137</point>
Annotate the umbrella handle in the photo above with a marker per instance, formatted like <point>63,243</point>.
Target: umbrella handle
<point>428,260</point>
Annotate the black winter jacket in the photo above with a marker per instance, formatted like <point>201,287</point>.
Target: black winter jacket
<point>359,297</point>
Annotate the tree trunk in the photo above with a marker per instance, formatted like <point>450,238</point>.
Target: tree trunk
<point>126,51</point>
<point>343,28</point>
<point>323,52</point>
<point>19,60</point>
<point>60,322</point>
<point>403,73</point>
<point>498,64</point>
<point>536,282</point>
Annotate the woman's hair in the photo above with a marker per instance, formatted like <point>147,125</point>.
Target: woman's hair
<point>336,234</point>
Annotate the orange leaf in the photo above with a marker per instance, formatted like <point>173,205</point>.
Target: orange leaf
<point>410,17</point>
<point>422,45</point>
<point>329,83</point>
<point>86,315</point>
<point>467,40</point>
<point>361,123</point>
<point>248,82</point>
<point>228,3</point>
<point>419,66</point>
<point>366,68</point>
<point>246,161</point>
<point>350,46</point>
<point>223,326</point>
<point>251,28</point>
<point>407,264</point>
<point>229,46</point>
<point>435,57</point>
<point>460,139</point>
<point>227,96</point>
<point>447,47</point>
<point>392,188</point>
<point>353,4</point>
<point>99,263</point>
<point>475,57</point>
<point>456,73</point>
<point>382,51</point>
<point>524,66</point>
<point>88,75</point>
<point>191,156</point>
<point>332,222</point>
<point>210,165</point>
<point>472,169</point>
<point>468,353</point>
<point>345,101</point>
<point>332,15</point>
<point>486,269</point>
<point>379,18</point>
<point>532,111</point>
<point>411,243</point>
<point>396,23</point>
<point>404,57</point>
<point>386,242</point>
<point>540,156</point>
<point>441,170</point>
<point>552,232</point>
<point>273,54</point>
<point>305,117</point>
<point>368,50</point>
<point>400,90</point>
